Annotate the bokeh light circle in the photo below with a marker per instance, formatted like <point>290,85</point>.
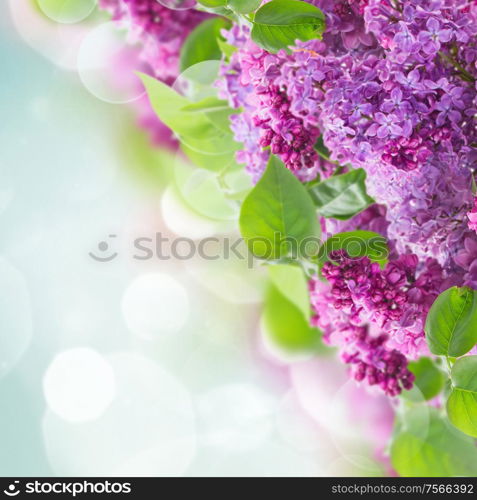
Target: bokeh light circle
<point>155,304</point>
<point>178,4</point>
<point>184,221</point>
<point>197,82</point>
<point>79,385</point>
<point>203,192</point>
<point>107,65</point>
<point>67,11</point>
<point>148,429</point>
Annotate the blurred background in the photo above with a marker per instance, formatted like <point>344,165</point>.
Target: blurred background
<point>138,367</point>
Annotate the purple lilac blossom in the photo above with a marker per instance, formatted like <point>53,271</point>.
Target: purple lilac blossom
<point>391,88</point>
<point>399,102</point>
<point>253,80</point>
<point>376,315</point>
<point>377,105</point>
<point>365,351</point>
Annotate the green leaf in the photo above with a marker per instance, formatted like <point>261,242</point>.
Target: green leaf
<point>202,192</point>
<point>429,380</point>
<point>429,447</point>
<point>278,214</point>
<point>285,327</point>
<point>279,23</point>
<point>291,281</point>
<point>343,196</point>
<point>213,162</point>
<point>216,110</point>
<point>196,130</point>
<point>207,104</point>
<point>451,324</point>
<point>213,3</point>
<point>244,6</point>
<point>169,106</point>
<point>227,49</point>
<point>462,403</point>
<point>201,44</point>
<point>357,244</point>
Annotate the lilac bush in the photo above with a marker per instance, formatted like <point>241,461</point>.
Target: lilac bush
<point>365,111</point>
<point>391,88</point>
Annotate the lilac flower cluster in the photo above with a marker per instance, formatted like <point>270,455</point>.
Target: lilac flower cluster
<point>253,80</point>
<point>386,103</point>
<point>160,31</point>
<point>376,316</point>
<point>391,88</point>
<point>362,346</point>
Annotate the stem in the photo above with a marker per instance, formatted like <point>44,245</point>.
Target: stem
<point>338,171</point>
<point>462,71</point>
<point>449,366</point>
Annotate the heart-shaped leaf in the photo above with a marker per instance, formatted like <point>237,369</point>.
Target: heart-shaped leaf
<point>462,402</point>
<point>427,446</point>
<point>451,324</point>
<point>279,23</point>
<point>278,216</point>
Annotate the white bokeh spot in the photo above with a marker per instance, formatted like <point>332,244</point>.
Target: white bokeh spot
<point>107,65</point>
<point>149,428</point>
<point>155,304</point>
<point>79,385</point>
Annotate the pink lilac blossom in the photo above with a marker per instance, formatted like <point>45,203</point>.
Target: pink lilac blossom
<point>395,298</point>
<point>472,216</point>
<point>160,31</point>
<point>372,219</point>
